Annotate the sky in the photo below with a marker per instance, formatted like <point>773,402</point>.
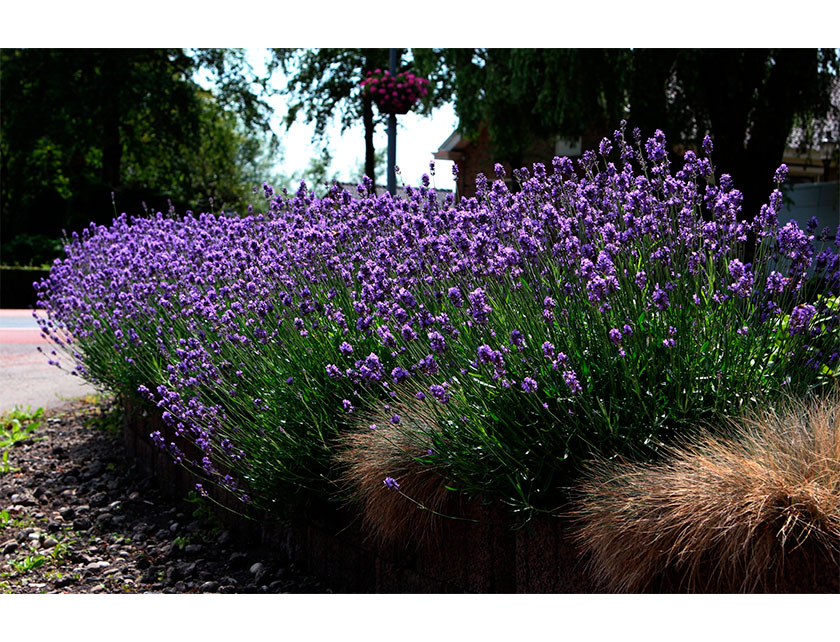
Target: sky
<point>418,137</point>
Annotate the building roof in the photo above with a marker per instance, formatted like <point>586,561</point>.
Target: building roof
<point>452,148</point>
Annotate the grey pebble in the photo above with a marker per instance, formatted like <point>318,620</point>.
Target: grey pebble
<point>209,587</point>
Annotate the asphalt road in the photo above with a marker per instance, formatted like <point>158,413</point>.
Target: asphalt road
<point>26,379</point>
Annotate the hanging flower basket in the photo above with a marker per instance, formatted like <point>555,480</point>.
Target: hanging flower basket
<point>394,94</point>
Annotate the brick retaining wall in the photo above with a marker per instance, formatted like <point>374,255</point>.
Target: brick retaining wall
<point>467,557</point>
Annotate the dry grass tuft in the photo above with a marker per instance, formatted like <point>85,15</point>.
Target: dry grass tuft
<point>404,516</point>
<point>756,512</point>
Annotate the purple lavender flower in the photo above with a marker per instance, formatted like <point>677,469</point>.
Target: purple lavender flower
<point>220,299</point>
<point>479,307</point>
<point>572,382</point>
<point>660,298</point>
<point>455,297</point>
<point>529,385</point>
<point>373,363</point>
<point>743,279</point>
<point>486,354</point>
<point>391,483</point>
<point>428,365</point>
<point>708,147</point>
<point>408,333</point>
<point>641,279</point>
<point>781,174</point>
<point>437,342</point>
<point>407,299</point>
<point>655,147</point>
<point>548,350</point>
<point>439,393</point>
<point>348,407</point>
<point>800,318</point>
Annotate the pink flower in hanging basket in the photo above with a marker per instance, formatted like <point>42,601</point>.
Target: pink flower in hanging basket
<point>394,94</point>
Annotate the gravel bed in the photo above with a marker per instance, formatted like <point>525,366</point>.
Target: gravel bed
<point>79,517</point>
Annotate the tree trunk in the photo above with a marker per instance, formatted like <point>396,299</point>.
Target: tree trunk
<point>370,151</point>
<point>111,142</point>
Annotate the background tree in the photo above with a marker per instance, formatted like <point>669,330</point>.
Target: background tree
<point>748,100</point>
<point>324,83</point>
<point>524,95</point>
<point>77,125</point>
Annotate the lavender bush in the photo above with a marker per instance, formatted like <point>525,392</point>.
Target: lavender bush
<point>601,307</point>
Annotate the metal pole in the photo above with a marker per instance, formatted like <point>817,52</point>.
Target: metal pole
<point>392,134</point>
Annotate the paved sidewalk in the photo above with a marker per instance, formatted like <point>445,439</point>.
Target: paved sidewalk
<point>26,379</point>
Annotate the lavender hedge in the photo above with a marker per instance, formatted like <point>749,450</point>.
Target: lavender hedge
<point>601,307</point>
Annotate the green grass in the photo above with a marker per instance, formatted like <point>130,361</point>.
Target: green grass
<point>19,424</point>
<point>16,425</point>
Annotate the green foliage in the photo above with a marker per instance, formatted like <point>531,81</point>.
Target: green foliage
<point>5,466</point>
<point>523,95</point>
<point>78,125</point>
<point>180,542</point>
<point>28,563</point>
<point>32,250</point>
<point>18,424</point>
<point>748,99</point>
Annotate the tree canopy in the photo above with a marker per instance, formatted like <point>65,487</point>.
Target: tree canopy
<point>77,125</point>
<point>747,99</point>
<point>522,95</point>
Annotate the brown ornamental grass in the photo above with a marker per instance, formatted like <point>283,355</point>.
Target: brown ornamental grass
<point>410,515</point>
<point>757,510</point>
